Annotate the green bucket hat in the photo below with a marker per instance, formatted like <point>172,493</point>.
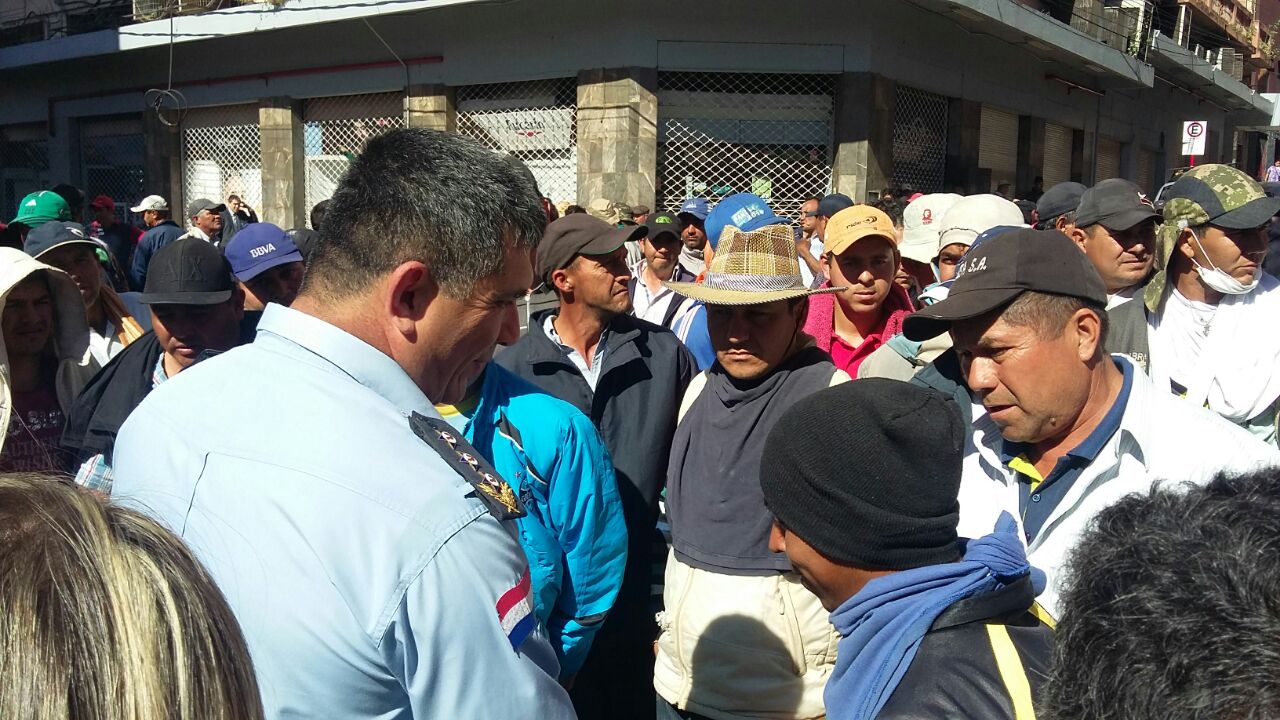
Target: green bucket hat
<point>1206,195</point>
<point>41,207</point>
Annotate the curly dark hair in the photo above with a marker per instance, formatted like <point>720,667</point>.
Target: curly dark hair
<point>1171,607</point>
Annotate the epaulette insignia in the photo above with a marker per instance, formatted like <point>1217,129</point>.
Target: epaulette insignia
<point>489,486</point>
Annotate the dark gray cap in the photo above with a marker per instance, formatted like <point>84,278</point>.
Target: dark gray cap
<point>1059,199</point>
<point>1116,204</point>
<point>199,205</point>
<point>580,234</point>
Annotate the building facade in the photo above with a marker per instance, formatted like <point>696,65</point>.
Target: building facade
<point>642,103</point>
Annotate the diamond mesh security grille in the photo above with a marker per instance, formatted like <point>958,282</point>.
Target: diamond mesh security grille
<point>222,155</point>
<point>536,121</point>
<point>722,133</point>
<point>335,130</point>
<point>112,162</point>
<point>919,139</point>
<point>24,166</point>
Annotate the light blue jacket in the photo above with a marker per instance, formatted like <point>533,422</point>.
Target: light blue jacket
<point>574,535</point>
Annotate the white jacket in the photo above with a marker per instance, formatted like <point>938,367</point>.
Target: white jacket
<point>70,333</point>
<point>1161,438</point>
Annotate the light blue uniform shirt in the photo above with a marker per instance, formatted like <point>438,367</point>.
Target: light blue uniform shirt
<point>363,573</point>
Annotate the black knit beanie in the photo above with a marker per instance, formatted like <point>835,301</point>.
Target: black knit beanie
<point>868,473</point>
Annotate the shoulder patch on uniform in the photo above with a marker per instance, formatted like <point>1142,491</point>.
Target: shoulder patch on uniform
<point>515,611</point>
<point>493,491</point>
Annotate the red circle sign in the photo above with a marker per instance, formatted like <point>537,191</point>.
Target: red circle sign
<point>1195,129</point>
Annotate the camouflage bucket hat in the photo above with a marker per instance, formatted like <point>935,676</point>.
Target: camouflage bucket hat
<point>1207,195</point>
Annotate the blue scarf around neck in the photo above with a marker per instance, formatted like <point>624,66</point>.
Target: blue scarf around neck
<point>882,626</point>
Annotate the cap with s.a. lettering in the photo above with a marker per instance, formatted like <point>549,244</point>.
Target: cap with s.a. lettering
<point>1003,267</point>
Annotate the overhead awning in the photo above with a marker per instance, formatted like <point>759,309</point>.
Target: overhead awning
<point>1184,69</point>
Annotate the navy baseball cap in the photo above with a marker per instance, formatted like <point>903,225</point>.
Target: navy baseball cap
<point>1007,264</point>
<point>259,247</point>
<point>744,211</point>
<point>47,236</point>
<point>833,203</point>
<point>697,207</point>
<point>1059,200</point>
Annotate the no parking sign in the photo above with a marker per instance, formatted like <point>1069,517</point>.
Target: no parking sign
<point>1193,133</point>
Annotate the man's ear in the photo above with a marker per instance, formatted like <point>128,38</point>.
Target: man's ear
<point>409,290</point>
<point>1088,327</point>
<point>1079,237</point>
<point>562,281</point>
<point>825,260</point>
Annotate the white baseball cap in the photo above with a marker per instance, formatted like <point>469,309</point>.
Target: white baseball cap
<point>151,202</point>
<point>921,225</point>
<point>971,216</point>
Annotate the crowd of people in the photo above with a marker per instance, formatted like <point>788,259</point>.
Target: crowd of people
<point>930,456</point>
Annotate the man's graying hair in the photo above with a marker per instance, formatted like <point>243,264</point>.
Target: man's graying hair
<point>1170,608</point>
<point>417,194</point>
<point>1048,314</point>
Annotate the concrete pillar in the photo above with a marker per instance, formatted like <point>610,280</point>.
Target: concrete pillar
<point>162,173</point>
<point>283,162</point>
<point>618,135</point>
<point>865,104</point>
<point>1030,153</point>
<point>431,106</point>
<point>964,135</point>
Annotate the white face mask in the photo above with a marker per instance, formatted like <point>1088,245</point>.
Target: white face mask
<point>1218,280</point>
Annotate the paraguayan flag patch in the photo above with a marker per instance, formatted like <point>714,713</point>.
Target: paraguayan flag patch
<point>515,611</point>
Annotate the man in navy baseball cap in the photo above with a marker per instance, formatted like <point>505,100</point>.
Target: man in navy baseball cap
<point>267,264</point>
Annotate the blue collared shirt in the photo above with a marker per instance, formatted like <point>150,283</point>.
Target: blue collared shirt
<point>1041,496</point>
<point>365,575</point>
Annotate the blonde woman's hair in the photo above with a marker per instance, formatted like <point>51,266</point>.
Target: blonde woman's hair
<point>106,615</point>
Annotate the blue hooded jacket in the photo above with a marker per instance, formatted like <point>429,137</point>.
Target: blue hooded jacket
<point>574,534</point>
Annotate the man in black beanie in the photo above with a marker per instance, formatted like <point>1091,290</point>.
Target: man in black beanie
<point>930,625</point>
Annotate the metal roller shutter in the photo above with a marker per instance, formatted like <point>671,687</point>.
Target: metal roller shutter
<point>1146,171</point>
<point>1057,154</point>
<point>1108,163</point>
<point>998,145</point>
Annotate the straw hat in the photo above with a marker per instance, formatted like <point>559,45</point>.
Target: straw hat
<point>751,268</point>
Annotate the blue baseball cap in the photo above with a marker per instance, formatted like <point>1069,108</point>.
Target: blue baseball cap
<point>258,248</point>
<point>744,211</point>
<point>697,207</point>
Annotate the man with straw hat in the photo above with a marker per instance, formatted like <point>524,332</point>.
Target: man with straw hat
<point>741,636</point>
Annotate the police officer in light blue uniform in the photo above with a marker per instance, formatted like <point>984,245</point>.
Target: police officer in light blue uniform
<point>366,550</point>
